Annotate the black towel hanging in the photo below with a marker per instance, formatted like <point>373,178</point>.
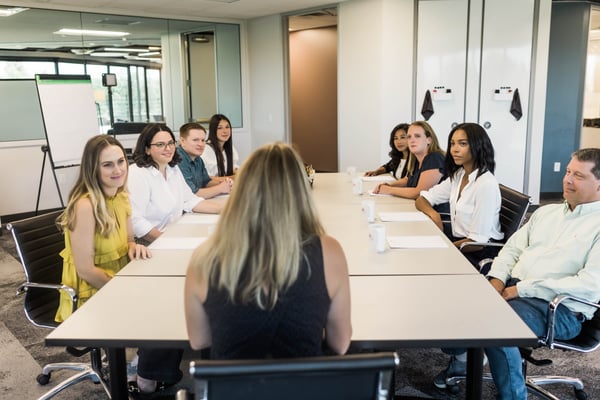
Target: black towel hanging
<point>427,109</point>
<point>515,106</point>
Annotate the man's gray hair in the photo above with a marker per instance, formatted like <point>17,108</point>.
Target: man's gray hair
<point>591,154</point>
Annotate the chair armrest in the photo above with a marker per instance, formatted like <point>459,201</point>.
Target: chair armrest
<point>552,307</point>
<point>67,289</point>
<point>481,244</point>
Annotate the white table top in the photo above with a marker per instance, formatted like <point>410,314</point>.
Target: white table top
<point>342,217</point>
<point>387,312</point>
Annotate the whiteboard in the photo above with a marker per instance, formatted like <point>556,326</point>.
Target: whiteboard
<point>69,113</point>
<point>20,111</point>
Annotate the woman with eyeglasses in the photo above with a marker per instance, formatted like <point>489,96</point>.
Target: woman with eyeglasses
<point>398,155</point>
<point>158,191</point>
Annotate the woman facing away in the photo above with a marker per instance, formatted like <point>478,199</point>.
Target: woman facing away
<point>425,166</point>
<point>97,223</point>
<point>283,289</point>
<point>158,191</point>
<point>220,157</point>
<point>398,154</point>
<point>472,191</point>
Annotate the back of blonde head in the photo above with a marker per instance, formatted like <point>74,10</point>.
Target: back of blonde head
<point>256,249</point>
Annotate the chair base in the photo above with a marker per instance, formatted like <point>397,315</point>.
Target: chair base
<point>533,384</point>
<point>85,372</point>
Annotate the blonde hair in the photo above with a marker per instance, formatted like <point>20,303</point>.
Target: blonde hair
<point>256,248</point>
<point>88,185</point>
<point>434,146</point>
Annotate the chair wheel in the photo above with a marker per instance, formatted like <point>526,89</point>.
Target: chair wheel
<point>580,394</point>
<point>43,379</point>
<point>453,389</point>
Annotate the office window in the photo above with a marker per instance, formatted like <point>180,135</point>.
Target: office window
<point>100,95</point>
<point>25,69</point>
<point>69,68</point>
<point>138,94</point>
<point>121,94</point>
<point>154,95</point>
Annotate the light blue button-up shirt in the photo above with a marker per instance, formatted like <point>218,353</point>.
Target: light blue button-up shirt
<point>556,252</point>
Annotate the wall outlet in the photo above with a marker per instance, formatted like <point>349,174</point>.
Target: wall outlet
<point>556,167</point>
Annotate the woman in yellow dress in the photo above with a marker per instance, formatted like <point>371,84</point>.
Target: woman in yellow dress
<point>97,223</point>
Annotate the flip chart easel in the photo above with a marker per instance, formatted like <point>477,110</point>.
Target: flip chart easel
<point>69,114</point>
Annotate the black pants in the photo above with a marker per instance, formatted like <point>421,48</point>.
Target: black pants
<point>160,364</point>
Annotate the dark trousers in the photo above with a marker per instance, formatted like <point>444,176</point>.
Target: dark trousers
<point>160,364</point>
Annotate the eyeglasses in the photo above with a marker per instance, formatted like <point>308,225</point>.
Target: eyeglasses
<point>162,145</point>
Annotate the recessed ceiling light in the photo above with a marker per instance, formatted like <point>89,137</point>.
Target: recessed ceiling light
<point>149,54</point>
<point>7,12</point>
<point>107,54</point>
<point>87,32</point>
<point>126,49</point>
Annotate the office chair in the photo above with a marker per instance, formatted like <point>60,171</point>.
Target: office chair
<point>512,214</point>
<point>587,341</point>
<point>349,377</point>
<point>38,242</point>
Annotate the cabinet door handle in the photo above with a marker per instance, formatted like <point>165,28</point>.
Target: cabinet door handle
<point>487,124</point>
<point>453,125</point>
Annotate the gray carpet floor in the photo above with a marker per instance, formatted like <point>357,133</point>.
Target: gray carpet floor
<point>22,352</point>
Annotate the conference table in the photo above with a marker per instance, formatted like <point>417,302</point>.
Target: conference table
<point>402,297</point>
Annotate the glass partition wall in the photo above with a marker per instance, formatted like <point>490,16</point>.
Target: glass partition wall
<point>139,51</point>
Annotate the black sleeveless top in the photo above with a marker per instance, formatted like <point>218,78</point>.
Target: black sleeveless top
<point>293,328</point>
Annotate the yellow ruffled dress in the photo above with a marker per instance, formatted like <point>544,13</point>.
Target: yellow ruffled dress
<point>110,254</point>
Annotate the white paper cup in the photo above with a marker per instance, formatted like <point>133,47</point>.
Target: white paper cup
<point>377,232</point>
<point>357,188</point>
<point>368,207</point>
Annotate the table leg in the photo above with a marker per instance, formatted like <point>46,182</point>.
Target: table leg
<point>117,369</point>
<point>474,373</point>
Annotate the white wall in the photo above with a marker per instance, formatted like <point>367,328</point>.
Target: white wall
<point>374,77</point>
<point>375,91</point>
<point>21,166</point>
<point>267,88</point>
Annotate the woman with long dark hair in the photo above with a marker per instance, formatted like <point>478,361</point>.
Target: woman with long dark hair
<point>220,156</point>
<point>398,154</point>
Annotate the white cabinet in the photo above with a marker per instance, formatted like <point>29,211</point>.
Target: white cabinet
<point>466,52</point>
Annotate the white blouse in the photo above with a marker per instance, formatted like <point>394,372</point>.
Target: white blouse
<point>476,215</point>
<point>210,160</point>
<point>156,201</point>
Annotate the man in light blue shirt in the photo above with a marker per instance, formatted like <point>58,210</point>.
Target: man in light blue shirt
<point>556,252</point>
<point>192,137</point>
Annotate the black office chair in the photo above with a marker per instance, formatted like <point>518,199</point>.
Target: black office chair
<point>39,242</point>
<point>587,341</point>
<point>512,214</point>
<point>350,377</point>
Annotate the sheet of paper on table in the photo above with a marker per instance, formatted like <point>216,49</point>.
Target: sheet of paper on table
<point>416,242</point>
<point>199,219</point>
<point>176,243</point>
<point>407,216</point>
<point>379,178</point>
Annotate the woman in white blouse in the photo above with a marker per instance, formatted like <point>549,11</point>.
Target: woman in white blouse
<point>220,157</point>
<point>471,189</point>
<point>157,189</point>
